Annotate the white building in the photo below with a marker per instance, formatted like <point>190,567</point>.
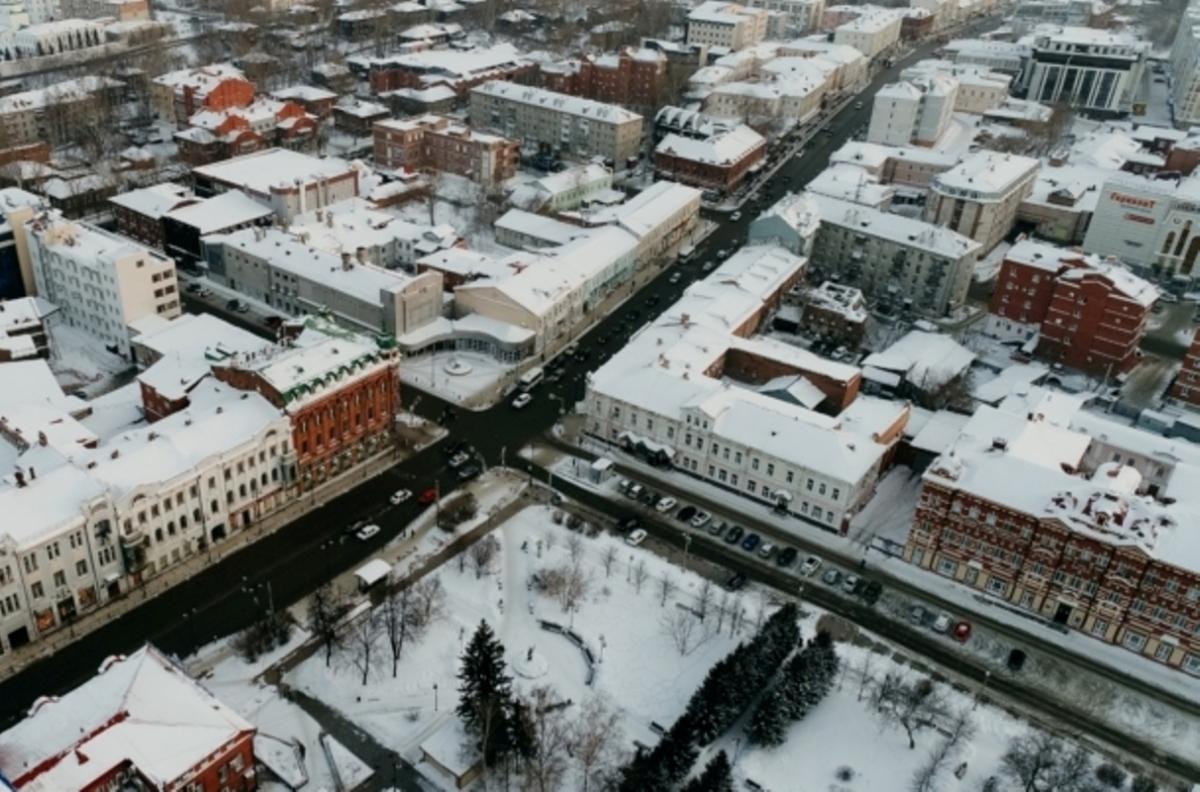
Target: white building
<point>913,111</point>
<point>716,23</point>
<point>1098,70</point>
<point>690,390</point>
<point>1150,223</point>
<point>357,229</point>
<point>1185,66</point>
<point>801,15</point>
<point>64,35</point>
<point>290,182</point>
<point>1008,57</point>
<point>871,33</point>
<point>850,66</point>
<point>979,89</point>
<point>980,196</point>
<point>102,283</point>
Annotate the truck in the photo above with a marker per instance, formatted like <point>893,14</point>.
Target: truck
<point>371,574</point>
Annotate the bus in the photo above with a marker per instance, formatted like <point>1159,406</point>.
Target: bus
<point>531,379</point>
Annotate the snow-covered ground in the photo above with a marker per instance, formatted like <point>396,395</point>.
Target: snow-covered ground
<point>482,385</point>
<point>81,363</point>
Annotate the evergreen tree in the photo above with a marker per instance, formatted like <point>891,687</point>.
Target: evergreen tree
<point>769,724</point>
<point>717,776</point>
<point>485,693</point>
<point>521,730</point>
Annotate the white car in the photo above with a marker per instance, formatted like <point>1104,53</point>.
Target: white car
<point>366,532</point>
<point>664,505</point>
<point>942,623</point>
<point>701,519</point>
<point>399,496</point>
<point>735,216</point>
<point>636,537</point>
<point>521,401</point>
<point>810,566</point>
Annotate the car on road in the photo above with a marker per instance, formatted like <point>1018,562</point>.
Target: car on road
<point>701,519</point>
<point>675,277</point>
<point>942,623</point>
<point>872,592</point>
<point>459,459</point>
<point>469,472</point>
<point>522,401</point>
<point>664,505</point>
<point>810,566</point>
<point>428,496</point>
<point>366,532</point>
<point>602,340</point>
<point>717,527</point>
<point>787,556</point>
<point>917,614</point>
<point>850,584</point>
<point>400,496</point>
<point>750,542</point>
<point>736,582</point>
<point>636,537</point>
<point>962,631</point>
<point>571,349</point>
<point>734,534</point>
<point>233,304</point>
<point>858,105</point>
<point>633,491</point>
<point>766,551</point>
<point>831,577</point>
<point>686,513</point>
<point>735,216</point>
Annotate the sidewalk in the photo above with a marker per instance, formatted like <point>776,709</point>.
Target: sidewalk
<point>19,659</point>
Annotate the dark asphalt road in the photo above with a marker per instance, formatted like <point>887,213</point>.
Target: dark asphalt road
<point>228,596</point>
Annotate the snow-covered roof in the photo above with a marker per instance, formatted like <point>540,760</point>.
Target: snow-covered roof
<point>541,227</point>
<point>360,108</point>
<point>276,167</point>
<point>303,93</point>
<point>153,201</point>
<point>571,178</point>
<point>201,337</point>
<point>349,225</point>
<point>1073,265</point>
<point>200,80</point>
<point>645,212</point>
<point>719,12</point>
<point>88,245</point>
<point>1010,379</point>
<point>799,210</point>
<point>927,360</point>
<point>849,183</point>
<point>457,64</point>
<point>139,710</point>
<point>303,372</point>
<point>935,239</point>
<point>723,148</point>
<point>563,103</point>
<point>986,175</point>
<point>221,212</point>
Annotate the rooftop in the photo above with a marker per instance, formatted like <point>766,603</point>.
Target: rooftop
<point>897,228</point>
<point>722,148</point>
<point>221,212</point>
<point>986,175</point>
<point>571,105</point>
<point>276,167</point>
<point>153,201</point>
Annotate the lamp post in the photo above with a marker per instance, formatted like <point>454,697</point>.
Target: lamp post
<point>687,547</point>
<point>435,697</point>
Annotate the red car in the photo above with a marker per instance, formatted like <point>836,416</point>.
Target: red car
<point>428,496</point>
<point>962,631</point>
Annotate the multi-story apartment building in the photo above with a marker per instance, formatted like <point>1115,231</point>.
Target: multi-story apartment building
<point>50,114</point>
<point>632,77</point>
<point>139,213</point>
<point>980,196</point>
<point>56,37</point>
<point>913,111</point>
<point>694,391</point>
<point>341,395</point>
<point>717,23</point>
<point>440,144</point>
<point>802,16</point>
<point>460,70</point>
<point>290,182</point>
<point>179,95</point>
<point>1092,69</point>
<point>1088,314</point>
<point>871,33</point>
<point>900,263</point>
<point>1150,223</point>
<point>579,128</point>
<point>718,163</point>
<point>1008,57</point>
<point>979,89</point>
<point>102,283</point>
<point>1088,526</point>
<point>1185,67</point>
<point>1186,386</point>
<point>17,208</point>
<point>849,66</point>
<point>140,718</point>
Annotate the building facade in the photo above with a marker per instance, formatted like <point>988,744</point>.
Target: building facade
<point>1091,69</point>
<point>980,196</point>
<point>1186,386</point>
<point>718,163</point>
<point>913,111</point>
<point>716,23</point>
<point>1153,224</point>
<point>436,143</point>
<point>871,33</point>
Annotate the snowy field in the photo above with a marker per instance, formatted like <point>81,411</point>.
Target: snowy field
<point>477,388</point>
<point>648,665</point>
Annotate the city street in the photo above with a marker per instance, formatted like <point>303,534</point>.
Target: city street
<point>228,596</point>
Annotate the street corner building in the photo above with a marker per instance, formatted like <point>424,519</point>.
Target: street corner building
<point>139,723</point>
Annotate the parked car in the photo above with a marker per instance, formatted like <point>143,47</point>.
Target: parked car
<point>962,631</point>
<point>1016,660</point>
<point>736,582</point>
<point>831,577</point>
<point>428,496</point>
<point>366,532</point>
<point>735,216</point>
<point>686,513</point>
<point>917,614</point>
<point>400,496</point>
<point>787,556</point>
<point>750,542</point>
<point>675,277</point>
<point>701,519</point>
<point>850,584</point>
<point>717,528</point>
<point>664,505</point>
<point>634,491</point>
<point>469,472</point>
<point>648,497</point>
<point>734,534</point>
<point>810,566</point>
<point>636,537</point>
<point>872,592</point>
<point>522,401</point>
<point>942,623</point>
<point>766,551</point>
<point>459,459</point>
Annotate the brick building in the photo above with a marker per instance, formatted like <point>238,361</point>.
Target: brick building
<point>181,94</point>
<point>633,77</point>
<point>833,313</point>
<point>139,213</point>
<point>718,163</point>
<point>139,723</point>
<point>1186,386</point>
<point>461,70</point>
<point>1089,314</point>
<point>340,391</point>
<point>265,123</point>
<point>1089,527</point>
<point>440,144</point>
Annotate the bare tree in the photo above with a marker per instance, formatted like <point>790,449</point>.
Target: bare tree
<point>546,765</point>
<point>325,610</point>
<point>704,598</point>
<point>962,729</point>
<point>639,575</point>
<point>595,740</point>
<point>575,548</point>
<point>482,553</point>
<point>666,586</point>
<point>429,603</point>
<point>911,705</point>
<point>736,614</point>
<point>722,610</point>
<point>568,585</point>
<point>1030,759</point>
<point>609,559</point>
<point>361,639</point>
<point>864,672</point>
<point>685,630</point>
<point>397,619</point>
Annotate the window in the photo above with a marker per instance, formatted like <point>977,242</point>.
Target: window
<point>1162,652</point>
<point>997,586</point>
<point>821,489</point>
<point>1134,640</point>
<point>36,590</point>
<point>60,579</point>
<point>947,567</point>
<point>81,568</point>
<point>1099,627</point>
<point>754,463</point>
<point>1191,664</point>
<point>770,469</point>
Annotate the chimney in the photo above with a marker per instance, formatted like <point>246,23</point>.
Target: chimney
<point>999,444</point>
<point>32,474</point>
<point>42,439</point>
<point>20,476</point>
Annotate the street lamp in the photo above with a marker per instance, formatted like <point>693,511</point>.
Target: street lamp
<point>987,675</point>
<point>435,697</point>
<point>687,547</point>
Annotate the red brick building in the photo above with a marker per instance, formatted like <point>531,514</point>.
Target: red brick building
<point>1187,382</point>
<point>633,77</point>
<point>718,163</point>
<point>440,144</point>
<point>139,213</point>
<point>181,94</point>
<point>1075,530</point>
<point>1089,314</point>
<point>460,70</point>
<point>266,123</point>
<point>341,394</point>
<point>139,723</point>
